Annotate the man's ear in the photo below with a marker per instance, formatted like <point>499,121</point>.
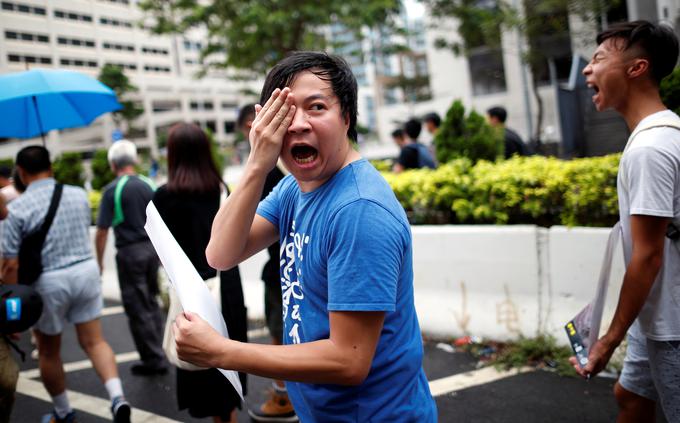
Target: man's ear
<point>638,68</point>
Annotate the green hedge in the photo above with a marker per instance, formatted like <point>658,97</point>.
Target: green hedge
<point>535,190</point>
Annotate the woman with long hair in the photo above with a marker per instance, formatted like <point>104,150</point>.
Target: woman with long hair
<point>188,203</point>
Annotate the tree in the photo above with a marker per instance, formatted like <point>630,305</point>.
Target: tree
<point>68,169</point>
<point>467,136</point>
<point>101,171</point>
<point>543,23</point>
<point>114,77</point>
<point>253,35</point>
<point>670,90</point>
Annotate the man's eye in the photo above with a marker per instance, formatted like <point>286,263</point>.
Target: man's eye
<point>317,107</point>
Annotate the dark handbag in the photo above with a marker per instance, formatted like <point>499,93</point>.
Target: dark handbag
<point>30,251</point>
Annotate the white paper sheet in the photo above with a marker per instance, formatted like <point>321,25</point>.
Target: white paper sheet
<point>192,292</point>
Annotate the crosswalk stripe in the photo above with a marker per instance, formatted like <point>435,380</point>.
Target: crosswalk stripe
<point>82,364</point>
<point>108,311</point>
<point>472,378</point>
<point>90,404</point>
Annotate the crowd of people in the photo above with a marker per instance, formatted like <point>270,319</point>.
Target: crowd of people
<point>339,282</point>
<point>413,154</point>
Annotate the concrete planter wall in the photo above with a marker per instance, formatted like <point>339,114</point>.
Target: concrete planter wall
<point>496,282</point>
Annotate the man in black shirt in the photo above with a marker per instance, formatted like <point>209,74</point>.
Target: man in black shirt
<point>413,155</point>
<point>123,207</point>
<point>513,142</point>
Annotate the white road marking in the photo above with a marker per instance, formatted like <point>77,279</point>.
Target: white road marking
<point>108,311</point>
<point>87,403</point>
<point>82,365</point>
<point>472,378</point>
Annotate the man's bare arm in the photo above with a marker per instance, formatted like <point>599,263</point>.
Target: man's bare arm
<point>10,270</point>
<point>648,235</point>
<point>236,232</point>
<point>344,358</point>
<point>100,246</point>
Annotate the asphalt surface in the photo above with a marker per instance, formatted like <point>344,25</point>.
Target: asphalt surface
<point>536,396</point>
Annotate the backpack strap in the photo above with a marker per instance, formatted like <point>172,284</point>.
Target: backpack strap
<point>118,216</point>
<point>54,203</point>
<point>658,123</point>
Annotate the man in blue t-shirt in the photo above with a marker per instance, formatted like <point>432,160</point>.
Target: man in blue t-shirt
<point>353,349</point>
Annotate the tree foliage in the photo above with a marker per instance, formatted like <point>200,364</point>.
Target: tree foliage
<point>253,35</point>
<point>468,136</point>
<point>101,171</point>
<point>68,169</point>
<point>114,77</point>
<point>670,90</point>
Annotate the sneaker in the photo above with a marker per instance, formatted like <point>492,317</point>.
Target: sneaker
<point>53,418</point>
<point>277,408</point>
<point>120,409</point>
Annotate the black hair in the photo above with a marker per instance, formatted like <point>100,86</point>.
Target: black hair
<point>327,67</point>
<point>191,167</point>
<point>34,159</point>
<point>5,172</point>
<point>412,127</point>
<point>398,133</point>
<point>498,112</point>
<point>246,112</point>
<point>434,118</point>
<point>658,43</point>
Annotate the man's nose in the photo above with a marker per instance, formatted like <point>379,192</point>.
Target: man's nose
<point>588,69</point>
<point>300,122</point>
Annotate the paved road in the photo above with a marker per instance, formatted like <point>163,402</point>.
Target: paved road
<point>463,392</point>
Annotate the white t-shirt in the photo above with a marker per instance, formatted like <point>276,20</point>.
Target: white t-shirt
<point>649,184</point>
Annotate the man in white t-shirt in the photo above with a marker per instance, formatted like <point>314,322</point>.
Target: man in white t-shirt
<point>630,61</point>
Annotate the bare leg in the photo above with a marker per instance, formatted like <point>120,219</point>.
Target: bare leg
<point>633,408</point>
<point>232,418</point>
<point>49,361</point>
<point>97,349</point>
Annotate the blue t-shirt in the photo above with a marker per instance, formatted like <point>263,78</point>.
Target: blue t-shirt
<point>346,246</point>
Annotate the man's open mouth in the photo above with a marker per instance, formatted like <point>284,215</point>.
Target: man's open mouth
<point>303,154</point>
<point>594,87</point>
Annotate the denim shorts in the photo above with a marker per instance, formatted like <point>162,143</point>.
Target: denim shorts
<point>651,370</point>
<point>72,294</point>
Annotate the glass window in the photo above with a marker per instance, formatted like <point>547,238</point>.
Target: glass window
<point>43,38</point>
<point>39,11</point>
<point>487,72</point>
<point>7,6</point>
<point>11,35</point>
<point>46,60</point>
<point>14,58</point>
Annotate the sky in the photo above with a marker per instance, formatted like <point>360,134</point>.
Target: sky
<point>414,8</point>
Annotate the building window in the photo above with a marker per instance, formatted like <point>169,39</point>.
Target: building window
<point>79,63</point>
<point>229,126</point>
<point>27,36</point>
<point>23,8</point>
<point>129,66</point>
<point>25,58</point>
<point>72,16</point>
<point>114,22</point>
<point>117,46</point>
<point>487,72</point>
<point>75,42</point>
<point>155,50</point>
<point>162,69</point>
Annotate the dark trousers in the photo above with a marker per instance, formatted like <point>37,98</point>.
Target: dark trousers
<point>138,279</point>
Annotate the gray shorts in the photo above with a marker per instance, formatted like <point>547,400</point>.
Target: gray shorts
<point>72,294</point>
<point>651,370</point>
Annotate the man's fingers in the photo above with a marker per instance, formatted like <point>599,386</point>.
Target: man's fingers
<point>285,122</point>
<point>270,113</point>
<point>270,100</point>
<point>258,108</point>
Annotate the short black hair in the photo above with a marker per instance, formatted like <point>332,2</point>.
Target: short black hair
<point>412,127</point>
<point>434,118</point>
<point>5,171</point>
<point>34,159</point>
<point>328,67</point>
<point>658,43</point>
<point>398,133</point>
<point>246,112</point>
<point>498,112</point>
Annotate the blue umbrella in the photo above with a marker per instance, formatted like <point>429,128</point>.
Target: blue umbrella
<point>39,100</point>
